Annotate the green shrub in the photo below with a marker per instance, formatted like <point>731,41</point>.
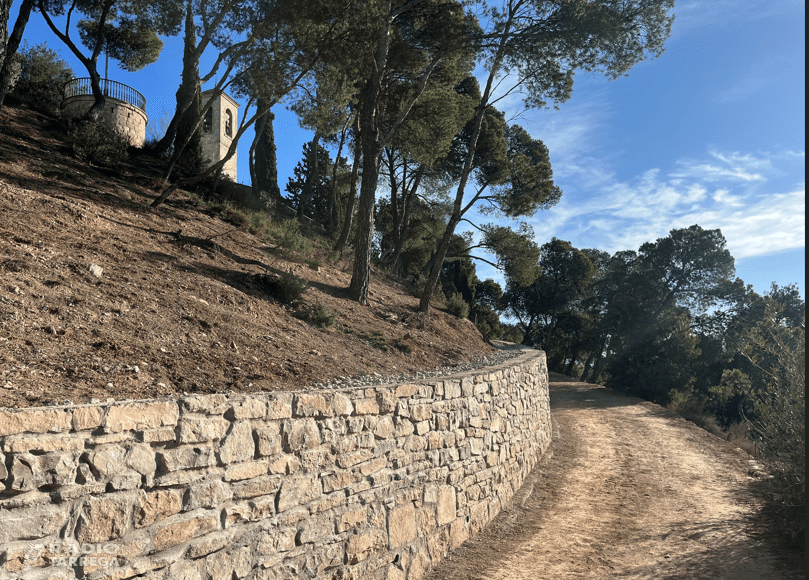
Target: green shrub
<point>322,316</point>
<point>42,77</point>
<point>401,345</point>
<point>97,143</point>
<point>286,288</point>
<point>456,305</point>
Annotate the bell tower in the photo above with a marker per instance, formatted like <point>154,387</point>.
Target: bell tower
<point>218,129</point>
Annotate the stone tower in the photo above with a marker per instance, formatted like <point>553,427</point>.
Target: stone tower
<point>124,107</point>
<point>218,129</point>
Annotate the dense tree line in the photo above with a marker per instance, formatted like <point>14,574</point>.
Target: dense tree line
<point>672,324</point>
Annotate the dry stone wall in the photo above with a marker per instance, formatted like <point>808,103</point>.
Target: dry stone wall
<point>329,484</point>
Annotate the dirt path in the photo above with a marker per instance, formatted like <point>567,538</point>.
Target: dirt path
<point>628,490</point>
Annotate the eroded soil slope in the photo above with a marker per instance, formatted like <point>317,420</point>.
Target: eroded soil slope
<point>631,491</point>
<point>101,296</point>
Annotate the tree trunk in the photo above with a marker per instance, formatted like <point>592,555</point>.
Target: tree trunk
<point>352,189</point>
<point>9,44</point>
<point>587,366</point>
<point>405,222</point>
<point>331,205</point>
<point>371,155</point>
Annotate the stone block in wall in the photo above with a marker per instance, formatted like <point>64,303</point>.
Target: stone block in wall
<point>256,487</point>
<point>305,405</point>
<point>28,472</point>
<point>13,422</point>
<point>141,415</point>
<point>300,434</point>
<point>364,543</point>
<point>268,440</point>
<point>202,428</point>
<point>180,529</point>
<point>401,525</point>
<point>366,407</point>
<point>238,444</point>
<point>249,470</point>
<point>283,464</point>
<point>105,518</point>
<point>156,506</point>
<point>87,418</point>
<point>207,494</point>
<point>446,504</point>
<point>229,564</point>
<point>32,522</point>
<point>248,409</point>
<point>279,406</point>
<point>297,491</point>
<point>186,457</point>
<point>215,404</point>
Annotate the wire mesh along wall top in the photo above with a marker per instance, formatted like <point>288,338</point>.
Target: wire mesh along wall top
<point>113,89</point>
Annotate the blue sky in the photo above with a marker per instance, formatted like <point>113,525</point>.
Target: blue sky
<point>712,133</point>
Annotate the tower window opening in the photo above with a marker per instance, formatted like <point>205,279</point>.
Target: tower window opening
<point>228,123</point>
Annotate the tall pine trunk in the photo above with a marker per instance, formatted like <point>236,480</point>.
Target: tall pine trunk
<point>9,44</point>
<point>352,190</point>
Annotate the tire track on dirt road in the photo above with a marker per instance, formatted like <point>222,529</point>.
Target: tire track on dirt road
<point>627,490</point>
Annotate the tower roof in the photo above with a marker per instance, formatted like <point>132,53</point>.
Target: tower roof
<point>225,95</point>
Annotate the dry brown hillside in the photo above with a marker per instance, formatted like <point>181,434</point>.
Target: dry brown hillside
<point>100,296</point>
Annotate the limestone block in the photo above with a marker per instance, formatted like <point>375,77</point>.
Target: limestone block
<point>422,427</point>
<point>139,416</point>
<point>186,457</point>
<point>279,406</point>
<point>386,401</point>
<point>276,540</point>
<point>161,435</point>
<point>210,543</point>
<point>228,564</point>
<point>351,519</point>
<point>238,445</point>
<point>105,518</point>
<point>207,494</point>
<point>458,533</point>
<point>25,443</point>
<point>141,458</point>
<point>260,486</point>
<point>29,472</point>
<point>342,405</point>
<point>363,544</point>
<point>305,405</point>
<point>406,390</point>
<point>452,389</point>
<point>34,421</point>
<point>346,460</point>
<point>284,464</point>
<point>384,427</point>
<point>404,427</point>
<point>421,412</point>
<point>315,530</point>
<point>339,480</point>
<point>179,530</point>
<point>87,418</point>
<point>366,407</point>
<point>300,434</point>
<point>157,505</point>
<point>446,504</point>
<point>249,470</point>
<point>32,522</point>
<point>209,404</point>
<point>269,440</point>
<point>435,440</point>
<point>415,444</point>
<point>476,446</point>
<point>201,428</point>
<point>297,491</point>
<point>401,525</point>
<point>248,409</point>
<point>372,466</point>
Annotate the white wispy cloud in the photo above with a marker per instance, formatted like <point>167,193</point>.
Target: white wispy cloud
<point>727,190</point>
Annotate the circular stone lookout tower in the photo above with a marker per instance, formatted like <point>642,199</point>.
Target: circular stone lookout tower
<point>124,110</point>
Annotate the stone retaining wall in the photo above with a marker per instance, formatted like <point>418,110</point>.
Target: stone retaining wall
<point>330,484</point>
